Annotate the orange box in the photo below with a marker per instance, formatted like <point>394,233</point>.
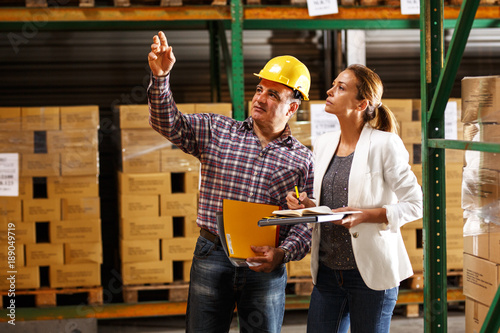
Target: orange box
<point>11,209</point>
<point>144,183</point>
<point>76,275</point>
<point>40,118</point>
<point>175,160</point>
<point>88,230</point>
<point>178,248</point>
<point>133,116</point>
<point>80,163</point>
<point>26,278</point>
<point>87,252</point>
<point>44,254</point>
<point>17,142</point>
<point>146,227</point>
<point>139,206</point>
<point>79,208</point>
<point>142,250</point>
<point>10,118</point>
<point>147,272</point>
<point>73,141</point>
<point>41,210</point>
<point>179,204</point>
<point>40,165</point>
<point>73,186</point>
<point>77,117</point>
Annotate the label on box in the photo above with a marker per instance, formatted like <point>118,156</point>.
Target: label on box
<point>9,175</point>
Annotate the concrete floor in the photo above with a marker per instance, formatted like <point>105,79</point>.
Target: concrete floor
<point>294,322</point>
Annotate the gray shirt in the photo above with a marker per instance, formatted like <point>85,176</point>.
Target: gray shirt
<point>335,249</point>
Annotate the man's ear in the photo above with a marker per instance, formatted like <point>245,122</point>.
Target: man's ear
<point>294,106</point>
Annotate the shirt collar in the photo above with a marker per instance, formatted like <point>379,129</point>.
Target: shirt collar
<point>286,137</point>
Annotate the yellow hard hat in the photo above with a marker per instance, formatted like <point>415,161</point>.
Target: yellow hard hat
<point>289,71</point>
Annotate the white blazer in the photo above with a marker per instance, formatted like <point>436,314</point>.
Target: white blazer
<point>380,177</point>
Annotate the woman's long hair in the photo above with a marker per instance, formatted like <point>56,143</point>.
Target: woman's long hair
<point>370,87</point>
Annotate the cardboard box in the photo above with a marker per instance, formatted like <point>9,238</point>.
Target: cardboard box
<point>17,142</point>
<point>73,186</point>
<point>415,152</point>
<point>87,230</point>
<point>10,118</point>
<point>10,208</point>
<point>40,165</point>
<point>411,132</point>
<point>191,228</point>
<point>41,210</point>
<point>480,188</point>
<point>185,182</point>
<point>77,275</point>
<point>402,109</point>
<point>179,204</point>
<point>80,163</point>
<point>24,232</point>
<point>301,267</point>
<point>494,244</point>
<point>146,227</point>
<point>481,99</point>
<point>44,254</point>
<point>138,160</point>
<point>26,278</point>
<point>139,250</point>
<point>78,208</point>
<point>301,130</point>
<point>175,160</point>
<point>143,139</point>
<point>73,141</point>
<point>147,272</point>
<point>133,116</point>
<point>77,117</point>
<point>40,118</point>
<point>224,109</point>
<point>14,255</point>
<point>25,188</point>
<point>139,206</point>
<point>482,133</point>
<point>186,108</point>
<point>477,245</point>
<point>88,252</point>
<point>475,314</point>
<point>144,183</point>
<point>481,279</point>
<point>178,248</point>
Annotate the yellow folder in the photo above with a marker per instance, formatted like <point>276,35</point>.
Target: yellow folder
<point>241,227</point>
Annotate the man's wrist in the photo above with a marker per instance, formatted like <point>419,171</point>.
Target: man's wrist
<point>286,256</point>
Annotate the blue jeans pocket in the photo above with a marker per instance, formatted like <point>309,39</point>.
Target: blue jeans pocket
<point>203,248</point>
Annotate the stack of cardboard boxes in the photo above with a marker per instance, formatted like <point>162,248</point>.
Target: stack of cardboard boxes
<point>158,199</point>
<point>480,198</point>
<point>408,113</point>
<point>57,213</point>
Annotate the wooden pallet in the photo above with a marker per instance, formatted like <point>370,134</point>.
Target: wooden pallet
<point>175,292</point>
<point>47,297</point>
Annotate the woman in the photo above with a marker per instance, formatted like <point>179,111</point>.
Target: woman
<point>358,262</point>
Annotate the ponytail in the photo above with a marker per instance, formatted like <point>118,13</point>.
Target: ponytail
<point>384,120</point>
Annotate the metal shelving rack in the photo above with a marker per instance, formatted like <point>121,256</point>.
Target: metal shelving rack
<point>436,86</point>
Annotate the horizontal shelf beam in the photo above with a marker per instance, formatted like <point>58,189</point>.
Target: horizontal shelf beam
<point>489,147</point>
<point>155,309</point>
<point>298,16</point>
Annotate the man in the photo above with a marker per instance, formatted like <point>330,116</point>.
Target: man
<point>256,160</point>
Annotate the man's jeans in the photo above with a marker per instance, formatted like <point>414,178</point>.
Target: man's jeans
<point>340,298</point>
<point>216,286</point>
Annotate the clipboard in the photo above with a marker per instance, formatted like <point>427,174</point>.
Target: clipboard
<point>238,229</point>
<point>316,218</point>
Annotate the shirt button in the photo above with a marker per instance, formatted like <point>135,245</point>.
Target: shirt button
<point>250,194</point>
<point>355,235</point>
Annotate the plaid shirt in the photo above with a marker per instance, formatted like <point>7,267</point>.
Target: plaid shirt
<point>233,163</point>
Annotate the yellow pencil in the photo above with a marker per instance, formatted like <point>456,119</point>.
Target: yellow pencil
<point>297,193</point>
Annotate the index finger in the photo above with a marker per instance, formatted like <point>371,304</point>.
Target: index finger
<point>163,38</point>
